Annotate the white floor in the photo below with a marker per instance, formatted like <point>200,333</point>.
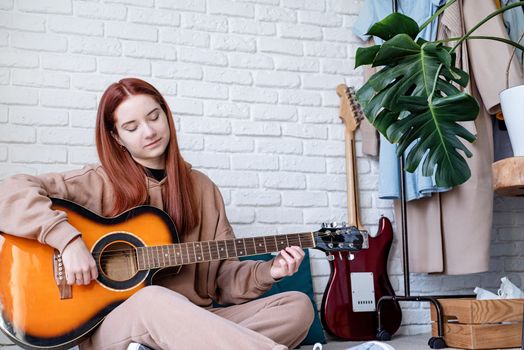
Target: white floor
<point>401,342</point>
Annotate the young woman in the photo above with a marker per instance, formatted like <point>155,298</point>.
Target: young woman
<point>141,164</point>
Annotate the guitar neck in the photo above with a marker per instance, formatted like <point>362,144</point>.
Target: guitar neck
<point>202,251</point>
<point>351,180</point>
<point>350,113</point>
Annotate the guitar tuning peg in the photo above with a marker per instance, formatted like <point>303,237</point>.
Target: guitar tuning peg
<point>330,257</point>
<point>351,256</point>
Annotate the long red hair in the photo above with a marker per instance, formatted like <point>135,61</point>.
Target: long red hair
<point>127,177</point>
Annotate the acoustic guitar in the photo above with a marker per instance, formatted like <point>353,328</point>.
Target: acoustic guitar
<point>358,280</point>
<point>40,311</point>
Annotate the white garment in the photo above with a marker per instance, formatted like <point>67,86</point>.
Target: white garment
<point>372,345</point>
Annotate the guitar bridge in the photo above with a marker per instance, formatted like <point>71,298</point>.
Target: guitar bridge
<point>58,271</point>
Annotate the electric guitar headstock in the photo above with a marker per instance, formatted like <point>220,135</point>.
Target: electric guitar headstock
<point>350,111</point>
<point>333,237</point>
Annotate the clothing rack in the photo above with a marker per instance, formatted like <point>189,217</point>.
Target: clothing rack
<point>434,342</point>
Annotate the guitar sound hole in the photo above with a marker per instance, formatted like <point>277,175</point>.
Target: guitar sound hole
<point>118,261</point>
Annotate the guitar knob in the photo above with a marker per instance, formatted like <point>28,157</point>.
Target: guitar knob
<point>330,257</point>
<point>351,256</point>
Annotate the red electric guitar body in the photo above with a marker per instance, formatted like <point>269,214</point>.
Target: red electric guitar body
<point>338,316</point>
<point>359,280</point>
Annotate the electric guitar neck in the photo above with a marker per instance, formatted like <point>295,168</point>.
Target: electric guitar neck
<point>351,115</point>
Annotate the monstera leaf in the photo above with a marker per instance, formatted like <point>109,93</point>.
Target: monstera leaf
<point>414,100</point>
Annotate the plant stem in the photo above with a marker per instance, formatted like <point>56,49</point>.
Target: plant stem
<point>448,40</point>
<point>505,41</point>
<point>436,14</point>
<point>490,16</point>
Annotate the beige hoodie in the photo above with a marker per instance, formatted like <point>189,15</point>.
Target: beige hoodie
<point>25,211</point>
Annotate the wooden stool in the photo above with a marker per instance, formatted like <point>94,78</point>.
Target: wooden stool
<point>508,176</point>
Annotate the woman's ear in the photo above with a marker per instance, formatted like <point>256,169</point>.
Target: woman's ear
<point>117,139</point>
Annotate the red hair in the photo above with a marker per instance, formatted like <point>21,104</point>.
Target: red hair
<point>127,177</point>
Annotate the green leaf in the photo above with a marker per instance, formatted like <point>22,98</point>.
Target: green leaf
<point>434,133</point>
<point>413,102</point>
<point>395,23</point>
<point>442,53</point>
<point>396,48</point>
<point>366,55</point>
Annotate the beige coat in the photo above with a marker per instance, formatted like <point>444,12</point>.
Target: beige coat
<point>450,232</point>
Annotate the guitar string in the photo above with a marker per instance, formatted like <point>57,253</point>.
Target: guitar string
<point>133,251</point>
<point>188,243</point>
<point>184,256</point>
<point>132,273</point>
<point>126,269</point>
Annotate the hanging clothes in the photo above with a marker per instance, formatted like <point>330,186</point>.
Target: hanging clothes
<point>417,186</point>
<point>514,23</point>
<point>450,232</point>
<point>370,136</point>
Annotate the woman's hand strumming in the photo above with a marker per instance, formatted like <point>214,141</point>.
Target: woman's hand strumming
<point>79,265</point>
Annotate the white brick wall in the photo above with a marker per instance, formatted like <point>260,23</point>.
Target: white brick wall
<point>252,85</point>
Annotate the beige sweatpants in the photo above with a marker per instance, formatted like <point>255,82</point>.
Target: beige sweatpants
<point>165,320</point>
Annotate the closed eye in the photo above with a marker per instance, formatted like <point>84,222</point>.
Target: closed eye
<point>154,116</point>
<point>129,127</point>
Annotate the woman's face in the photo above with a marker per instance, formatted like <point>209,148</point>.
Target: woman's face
<point>141,127</point>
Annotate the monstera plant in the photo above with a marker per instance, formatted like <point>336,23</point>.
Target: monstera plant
<point>416,98</point>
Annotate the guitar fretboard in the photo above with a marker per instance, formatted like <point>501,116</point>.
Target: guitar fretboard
<point>196,252</point>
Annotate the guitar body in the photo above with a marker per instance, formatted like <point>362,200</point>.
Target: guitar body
<point>337,313</point>
<point>32,313</point>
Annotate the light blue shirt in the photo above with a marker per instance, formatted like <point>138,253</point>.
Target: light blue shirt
<point>417,185</point>
<point>514,22</point>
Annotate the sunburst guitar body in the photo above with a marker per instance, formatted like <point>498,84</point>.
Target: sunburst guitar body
<point>33,312</point>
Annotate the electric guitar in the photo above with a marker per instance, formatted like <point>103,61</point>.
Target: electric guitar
<point>358,281</point>
<point>39,310</point>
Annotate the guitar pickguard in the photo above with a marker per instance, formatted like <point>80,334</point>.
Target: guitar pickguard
<point>363,291</point>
